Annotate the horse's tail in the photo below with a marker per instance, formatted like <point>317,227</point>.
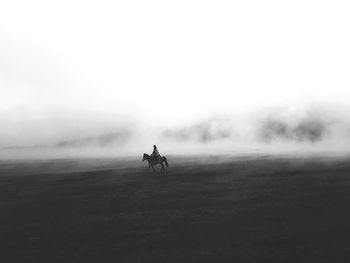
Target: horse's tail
<point>166,161</point>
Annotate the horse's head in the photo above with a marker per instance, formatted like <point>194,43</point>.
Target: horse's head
<point>145,156</point>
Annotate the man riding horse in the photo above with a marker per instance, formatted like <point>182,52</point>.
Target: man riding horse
<point>155,159</point>
<point>155,154</point>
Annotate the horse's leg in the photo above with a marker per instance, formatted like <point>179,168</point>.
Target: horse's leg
<point>153,168</point>
<point>164,167</point>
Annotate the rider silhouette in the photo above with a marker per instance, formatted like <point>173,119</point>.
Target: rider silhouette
<point>155,154</point>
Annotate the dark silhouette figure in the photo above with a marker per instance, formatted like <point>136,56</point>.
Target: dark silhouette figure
<point>155,159</point>
<point>155,154</point>
<point>152,162</point>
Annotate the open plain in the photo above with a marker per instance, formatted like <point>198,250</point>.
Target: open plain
<point>204,209</point>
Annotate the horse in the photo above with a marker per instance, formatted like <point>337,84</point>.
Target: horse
<point>153,161</point>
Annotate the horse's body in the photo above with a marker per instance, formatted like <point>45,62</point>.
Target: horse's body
<point>154,161</point>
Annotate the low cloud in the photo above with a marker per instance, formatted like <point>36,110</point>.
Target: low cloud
<point>303,131</point>
<point>120,138</point>
<point>308,126</point>
<point>206,131</point>
<point>277,130</point>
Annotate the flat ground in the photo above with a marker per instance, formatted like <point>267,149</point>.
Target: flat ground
<point>205,209</point>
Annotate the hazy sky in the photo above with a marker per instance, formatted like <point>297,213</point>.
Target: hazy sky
<point>169,61</point>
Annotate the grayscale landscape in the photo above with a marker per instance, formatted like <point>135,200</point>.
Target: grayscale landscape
<point>174,131</point>
<point>257,208</point>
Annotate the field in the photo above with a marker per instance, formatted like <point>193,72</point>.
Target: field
<point>204,209</point>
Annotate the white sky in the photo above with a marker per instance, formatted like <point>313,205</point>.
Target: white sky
<point>170,59</point>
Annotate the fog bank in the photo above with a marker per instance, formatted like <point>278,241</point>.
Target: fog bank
<point>315,128</point>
